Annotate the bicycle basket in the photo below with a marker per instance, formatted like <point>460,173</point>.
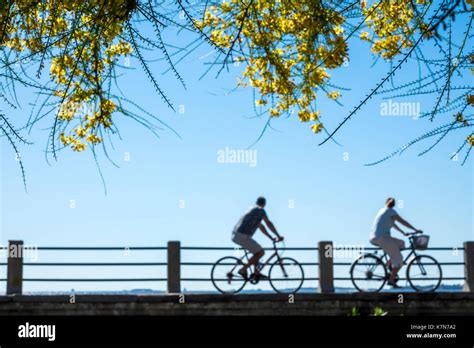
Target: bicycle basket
<point>421,242</point>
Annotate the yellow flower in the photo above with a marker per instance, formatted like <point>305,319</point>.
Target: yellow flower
<point>304,115</point>
<point>314,116</point>
<point>317,127</point>
<point>93,139</point>
<point>107,106</point>
<point>393,24</point>
<point>470,98</point>
<point>96,44</point>
<point>339,30</point>
<point>334,95</point>
<point>364,35</point>
<point>285,63</point>
<point>470,140</point>
<point>67,110</point>
<point>81,132</point>
<point>66,140</point>
<point>78,146</point>
<point>274,112</point>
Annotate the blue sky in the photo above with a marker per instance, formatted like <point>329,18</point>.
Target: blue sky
<point>313,192</point>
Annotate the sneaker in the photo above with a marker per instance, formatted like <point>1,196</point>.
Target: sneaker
<point>243,274</point>
<point>394,285</point>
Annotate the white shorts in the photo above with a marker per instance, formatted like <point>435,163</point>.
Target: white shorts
<point>246,242</point>
<point>392,247</point>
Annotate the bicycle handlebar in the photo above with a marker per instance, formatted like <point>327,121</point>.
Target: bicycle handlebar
<point>413,233</point>
<point>276,242</point>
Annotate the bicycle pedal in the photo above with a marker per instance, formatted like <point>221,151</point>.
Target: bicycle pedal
<point>229,277</point>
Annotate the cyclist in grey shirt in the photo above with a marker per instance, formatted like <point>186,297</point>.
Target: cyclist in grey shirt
<point>245,229</point>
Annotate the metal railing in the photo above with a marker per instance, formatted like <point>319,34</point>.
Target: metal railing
<point>322,269</point>
<point>3,264</point>
<point>96,264</point>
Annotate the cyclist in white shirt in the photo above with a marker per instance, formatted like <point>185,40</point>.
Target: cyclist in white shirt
<point>380,236</point>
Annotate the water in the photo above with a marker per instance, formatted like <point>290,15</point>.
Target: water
<point>339,290</point>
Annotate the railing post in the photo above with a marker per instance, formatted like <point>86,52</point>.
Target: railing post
<point>326,267</point>
<point>469,266</point>
<point>15,267</point>
<point>174,267</point>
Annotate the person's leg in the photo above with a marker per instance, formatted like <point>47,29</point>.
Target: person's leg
<point>380,242</point>
<point>393,276</point>
<point>393,247</point>
<point>253,261</point>
<point>400,243</point>
<point>392,250</point>
<point>257,251</point>
<point>252,246</point>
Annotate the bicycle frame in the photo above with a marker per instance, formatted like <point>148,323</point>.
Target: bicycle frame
<point>267,262</point>
<point>412,249</point>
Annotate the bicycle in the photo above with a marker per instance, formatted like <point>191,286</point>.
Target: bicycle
<point>371,270</point>
<point>286,275</point>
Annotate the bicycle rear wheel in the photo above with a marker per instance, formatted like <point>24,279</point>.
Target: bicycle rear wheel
<point>424,273</point>
<point>286,276</point>
<point>225,276</point>
<point>368,273</point>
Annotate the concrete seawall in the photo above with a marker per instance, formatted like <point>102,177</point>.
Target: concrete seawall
<point>251,304</point>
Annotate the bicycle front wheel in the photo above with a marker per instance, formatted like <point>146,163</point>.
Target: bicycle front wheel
<point>286,276</point>
<point>424,273</point>
<point>368,273</point>
<point>225,276</point>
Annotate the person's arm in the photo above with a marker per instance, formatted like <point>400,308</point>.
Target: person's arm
<point>395,226</point>
<point>264,231</point>
<point>271,226</point>
<point>404,222</point>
